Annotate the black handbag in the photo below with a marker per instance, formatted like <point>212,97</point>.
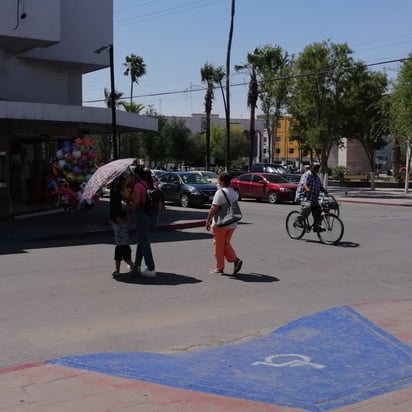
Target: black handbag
<point>228,213</point>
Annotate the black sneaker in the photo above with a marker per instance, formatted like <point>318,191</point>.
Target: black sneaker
<point>237,266</point>
<point>319,229</point>
<point>299,224</point>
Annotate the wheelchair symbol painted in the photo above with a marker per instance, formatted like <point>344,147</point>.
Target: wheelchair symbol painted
<point>301,361</point>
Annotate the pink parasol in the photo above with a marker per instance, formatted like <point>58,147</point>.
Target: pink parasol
<point>105,175</point>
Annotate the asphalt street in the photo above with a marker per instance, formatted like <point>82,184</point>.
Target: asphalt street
<point>60,304</point>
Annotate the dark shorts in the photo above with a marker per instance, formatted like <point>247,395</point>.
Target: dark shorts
<point>123,252</point>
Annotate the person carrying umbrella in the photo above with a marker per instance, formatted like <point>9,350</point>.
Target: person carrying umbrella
<point>144,222</point>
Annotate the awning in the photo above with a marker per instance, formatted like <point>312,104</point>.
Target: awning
<point>39,120</point>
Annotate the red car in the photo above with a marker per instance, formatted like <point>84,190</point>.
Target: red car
<point>259,186</point>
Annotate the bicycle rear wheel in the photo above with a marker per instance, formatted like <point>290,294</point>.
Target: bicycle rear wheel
<point>292,228</point>
<point>333,229</point>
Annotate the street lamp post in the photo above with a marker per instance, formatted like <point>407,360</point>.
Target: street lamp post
<point>112,96</point>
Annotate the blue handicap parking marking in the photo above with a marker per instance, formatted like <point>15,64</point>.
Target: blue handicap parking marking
<point>330,359</point>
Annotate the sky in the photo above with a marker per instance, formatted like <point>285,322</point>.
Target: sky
<point>176,38</point>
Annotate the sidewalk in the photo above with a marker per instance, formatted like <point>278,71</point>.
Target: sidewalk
<point>380,196</point>
<point>87,222</point>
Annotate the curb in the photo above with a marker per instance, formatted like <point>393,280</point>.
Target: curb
<point>370,202</point>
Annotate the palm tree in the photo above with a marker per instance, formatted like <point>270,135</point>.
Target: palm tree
<point>211,76</point>
<point>252,97</point>
<point>227,105</point>
<point>132,107</point>
<point>135,68</point>
<point>108,98</point>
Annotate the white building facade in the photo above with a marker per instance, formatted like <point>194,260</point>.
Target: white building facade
<point>45,48</point>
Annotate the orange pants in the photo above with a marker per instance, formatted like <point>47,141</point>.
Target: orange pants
<point>222,247</point>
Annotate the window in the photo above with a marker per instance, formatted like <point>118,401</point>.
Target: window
<point>277,150</point>
<point>277,139</point>
<point>278,125</point>
<point>291,150</point>
<point>256,178</point>
<point>244,178</point>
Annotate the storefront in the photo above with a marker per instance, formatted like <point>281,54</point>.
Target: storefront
<point>30,134</point>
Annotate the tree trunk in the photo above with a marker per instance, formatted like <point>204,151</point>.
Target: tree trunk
<point>229,49</point>
<point>207,140</point>
<point>408,165</point>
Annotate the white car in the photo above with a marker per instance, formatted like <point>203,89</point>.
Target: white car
<point>210,176</point>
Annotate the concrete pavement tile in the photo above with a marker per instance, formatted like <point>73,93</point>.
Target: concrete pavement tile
<point>396,401</point>
<point>62,389</point>
<point>393,316</point>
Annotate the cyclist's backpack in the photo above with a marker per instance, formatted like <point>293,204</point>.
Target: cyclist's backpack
<point>153,199</point>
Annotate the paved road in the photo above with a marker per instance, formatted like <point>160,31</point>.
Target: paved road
<point>59,301</point>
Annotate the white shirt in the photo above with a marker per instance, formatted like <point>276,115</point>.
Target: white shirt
<point>219,199</point>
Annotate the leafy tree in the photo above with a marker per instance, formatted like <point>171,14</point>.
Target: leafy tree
<point>323,76</point>
<point>211,76</point>
<point>179,144</point>
<point>154,144</point>
<point>274,67</point>
<point>368,110</point>
<point>135,68</point>
<point>402,111</point>
<point>129,143</point>
<point>238,148</point>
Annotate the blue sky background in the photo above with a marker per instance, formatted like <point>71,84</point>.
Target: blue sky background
<point>177,37</point>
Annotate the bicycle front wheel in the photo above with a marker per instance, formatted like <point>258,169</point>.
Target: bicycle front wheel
<point>332,229</point>
<point>294,229</point>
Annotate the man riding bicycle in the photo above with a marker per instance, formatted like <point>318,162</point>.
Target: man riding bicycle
<point>307,194</point>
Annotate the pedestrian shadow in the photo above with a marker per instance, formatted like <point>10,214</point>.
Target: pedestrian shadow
<point>162,278</point>
<point>253,277</point>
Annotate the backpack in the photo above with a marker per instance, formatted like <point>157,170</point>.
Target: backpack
<point>153,199</point>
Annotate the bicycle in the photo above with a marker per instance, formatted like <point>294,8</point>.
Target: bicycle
<point>330,222</point>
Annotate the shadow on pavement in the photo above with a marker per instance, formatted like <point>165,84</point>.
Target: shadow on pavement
<point>347,244</point>
<point>80,239</point>
<point>253,277</point>
<point>162,278</point>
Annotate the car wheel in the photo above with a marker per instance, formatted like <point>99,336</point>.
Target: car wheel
<point>272,197</point>
<point>184,200</point>
<point>238,194</point>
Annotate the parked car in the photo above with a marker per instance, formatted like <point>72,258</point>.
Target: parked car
<point>271,186</point>
<point>210,176</point>
<point>186,188</point>
<point>274,168</point>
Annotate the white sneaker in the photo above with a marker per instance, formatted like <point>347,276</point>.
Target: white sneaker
<point>148,273</point>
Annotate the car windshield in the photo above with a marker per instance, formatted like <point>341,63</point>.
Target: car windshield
<point>193,178</point>
<point>276,169</point>
<point>276,179</point>
<point>209,175</point>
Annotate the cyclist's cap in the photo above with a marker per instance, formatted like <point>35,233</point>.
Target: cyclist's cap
<point>315,165</point>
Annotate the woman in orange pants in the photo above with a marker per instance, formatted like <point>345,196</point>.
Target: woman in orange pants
<point>223,235</point>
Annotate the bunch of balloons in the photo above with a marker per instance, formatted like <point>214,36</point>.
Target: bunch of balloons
<point>74,165</point>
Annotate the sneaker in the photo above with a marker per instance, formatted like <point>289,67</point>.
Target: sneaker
<point>217,271</point>
<point>237,266</point>
<point>319,229</point>
<point>115,273</point>
<point>148,273</point>
<point>299,224</point>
